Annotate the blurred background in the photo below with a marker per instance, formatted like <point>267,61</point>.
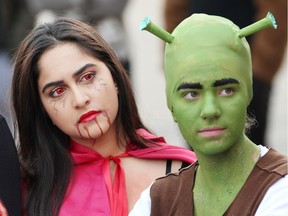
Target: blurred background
<point>140,52</point>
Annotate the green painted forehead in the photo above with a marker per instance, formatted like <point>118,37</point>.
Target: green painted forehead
<point>206,41</point>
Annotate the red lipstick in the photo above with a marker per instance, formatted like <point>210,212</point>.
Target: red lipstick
<point>86,117</point>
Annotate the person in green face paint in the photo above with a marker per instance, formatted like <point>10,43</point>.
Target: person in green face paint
<point>208,73</point>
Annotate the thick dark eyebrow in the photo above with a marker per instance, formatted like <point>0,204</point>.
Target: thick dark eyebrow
<point>225,81</point>
<point>77,73</point>
<point>189,86</point>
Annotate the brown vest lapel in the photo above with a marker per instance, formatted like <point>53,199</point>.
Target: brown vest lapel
<point>266,172</point>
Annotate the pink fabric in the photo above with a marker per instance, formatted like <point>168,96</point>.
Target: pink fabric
<point>91,191</point>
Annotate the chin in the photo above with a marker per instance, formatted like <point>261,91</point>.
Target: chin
<point>214,149</point>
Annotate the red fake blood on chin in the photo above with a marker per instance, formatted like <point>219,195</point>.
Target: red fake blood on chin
<point>108,119</point>
<point>85,128</point>
<point>98,126</point>
<point>78,128</point>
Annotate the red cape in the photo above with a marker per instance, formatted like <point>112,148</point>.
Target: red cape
<point>91,191</point>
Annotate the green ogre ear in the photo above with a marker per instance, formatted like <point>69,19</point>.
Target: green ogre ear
<point>266,22</point>
<point>147,25</point>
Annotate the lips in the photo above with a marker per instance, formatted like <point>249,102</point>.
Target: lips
<point>89,116</point>
<point>211,132</point>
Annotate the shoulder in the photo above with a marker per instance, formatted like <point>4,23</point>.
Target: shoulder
<point>170,195</point>
<point>273,161</point>
<point>275,201</point>
<point>159,149</point>
<point>175,180</point>
<point>186,171</point>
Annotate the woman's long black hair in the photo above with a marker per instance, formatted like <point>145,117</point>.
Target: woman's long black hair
<point>43,148</point>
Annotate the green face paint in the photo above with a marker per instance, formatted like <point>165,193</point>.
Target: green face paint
<point>206,49</point>
<point>209,106</point>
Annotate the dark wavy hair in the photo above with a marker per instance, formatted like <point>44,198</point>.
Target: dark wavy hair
<point>43,148</point>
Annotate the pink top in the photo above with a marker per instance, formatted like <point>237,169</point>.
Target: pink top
<point>91,192</point>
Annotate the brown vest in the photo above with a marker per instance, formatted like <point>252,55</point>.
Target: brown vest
<point>171,195</point>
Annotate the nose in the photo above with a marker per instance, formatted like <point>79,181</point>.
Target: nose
<point>80,98</point>
<point>210,109</point>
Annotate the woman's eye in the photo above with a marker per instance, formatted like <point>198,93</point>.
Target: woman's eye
<point>226,91</point>
<point>191,95</point>
<point>88,77</point>
<point>57,92</point>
